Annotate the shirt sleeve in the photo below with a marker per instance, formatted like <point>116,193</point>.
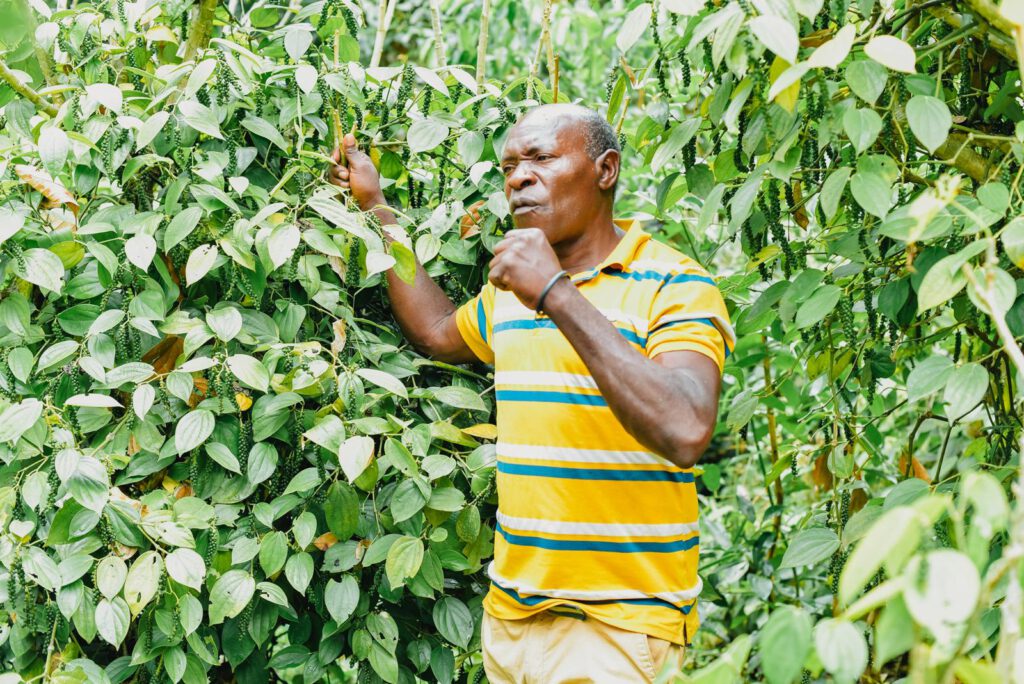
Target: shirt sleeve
<point>689,314</point>
<point>474,321</point>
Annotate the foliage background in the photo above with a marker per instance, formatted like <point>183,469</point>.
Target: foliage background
<point>220,459</point>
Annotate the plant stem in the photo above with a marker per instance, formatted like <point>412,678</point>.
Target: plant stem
<point>545,32</point>
<point>384,10</point>
<point>202,30</point>
<point>773,440</point>
<point>26,91</point>
<point>554,96</point>
<point>435,22</point>
<point>481,46</point>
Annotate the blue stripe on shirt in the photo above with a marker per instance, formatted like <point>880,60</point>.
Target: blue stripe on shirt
<point>594,473</point>
<point>667,278</point>
<point>550,397</point>
<point>606,546</point>
<point>547,323</point>
<point>535,600</point>
<point>481,318</point>
<point>705,321</point>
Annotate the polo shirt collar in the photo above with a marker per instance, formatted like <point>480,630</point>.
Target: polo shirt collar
<point>623,254</point>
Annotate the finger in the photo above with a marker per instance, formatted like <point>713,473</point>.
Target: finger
<point>501,247</point>
<point>349,141</point>
<point>496,274</point>
<point>336,155</point>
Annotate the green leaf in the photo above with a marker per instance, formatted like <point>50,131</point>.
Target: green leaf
<point>226,323</point>
<point>89,483</point>
<point>181,226</point>
<point>966,387</point>
<point>110,575</point>
<point>460,397</point>
<point>873,192</point>
<point>404,559</point>
<point>405,262</point>
<point>866,79</point>
<point>299,571</point>
<point>929,119</point>
<point>928,377</point>
<point>186,567</point>
<point>841,649</point>
<point>273,552</point>
<point>199,263</point>
<point>112,618</point>
<point>18,418</point>
<point>407,500</point>
<point>342,510</point>
<point>890,541</point>
<point>776,34</point>
<point>941,282</point>
<point>818,305</point>
<point>265,129</point>
<point>150,128</point>
<point>453,620</point>
<point>231,593</point>
<point>863,127</point>
<point>355,455</point>
<point>41,267</point>
<point>53,148</point>
<point>785,643</point>
<point>251,372</point>
<point>892,52</point>
<point>633,27</point>
<point>200,117</point>
<point>810,547</point>
<point>941,589</point>
<point>143,581</point>
<point>341,598</point>
<point>426,134</point>
<point>223,457</point>
<point>193,429</point>
<point>681,134</point>
<point>894,632</point>
<point>832,190</point>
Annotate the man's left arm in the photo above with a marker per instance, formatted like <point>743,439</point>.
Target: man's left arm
<point>668,402</point>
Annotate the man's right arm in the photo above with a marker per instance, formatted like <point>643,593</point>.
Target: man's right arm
<point>423,311</point>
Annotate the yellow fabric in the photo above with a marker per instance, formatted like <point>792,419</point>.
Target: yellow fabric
<point>587,516</point>
<point>553,649</point>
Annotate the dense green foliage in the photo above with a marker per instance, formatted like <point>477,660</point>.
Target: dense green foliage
<point>220,458</point>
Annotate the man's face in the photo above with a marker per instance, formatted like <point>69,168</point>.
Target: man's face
<point>550,180</point>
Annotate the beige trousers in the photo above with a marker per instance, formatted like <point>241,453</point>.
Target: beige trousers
<point>556,649</point>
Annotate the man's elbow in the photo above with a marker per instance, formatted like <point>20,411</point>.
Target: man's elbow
<point>686,448</point>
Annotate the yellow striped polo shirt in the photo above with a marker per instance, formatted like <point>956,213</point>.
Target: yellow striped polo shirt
<point>587,516</point>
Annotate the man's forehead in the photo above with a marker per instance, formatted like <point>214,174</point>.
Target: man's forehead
<point>540,131</point>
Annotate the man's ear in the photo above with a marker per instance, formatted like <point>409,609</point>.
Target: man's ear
<point>607,166</point>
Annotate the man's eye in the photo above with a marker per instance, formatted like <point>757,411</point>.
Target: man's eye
<point>506,170</point>
<point>543,157</point>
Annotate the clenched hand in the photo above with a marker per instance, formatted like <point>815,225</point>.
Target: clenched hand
<point>524,263</point>
<point>357,174</point>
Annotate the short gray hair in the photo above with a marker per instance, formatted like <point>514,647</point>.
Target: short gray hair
<point>598,134</point>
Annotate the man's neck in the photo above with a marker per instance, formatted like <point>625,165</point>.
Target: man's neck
<point>590,248</point>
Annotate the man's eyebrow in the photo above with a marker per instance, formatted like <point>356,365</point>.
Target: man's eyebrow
<point>529,151</point>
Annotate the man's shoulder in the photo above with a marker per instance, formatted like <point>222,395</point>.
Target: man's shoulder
<point>657,257</point>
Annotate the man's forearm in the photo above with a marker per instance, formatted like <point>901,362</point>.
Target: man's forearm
<point>421,307</point>
<point>666,410</point>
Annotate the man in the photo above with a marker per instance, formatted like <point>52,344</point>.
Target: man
<point>607,348</point>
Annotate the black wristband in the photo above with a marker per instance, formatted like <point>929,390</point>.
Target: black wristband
<point>547,288</point>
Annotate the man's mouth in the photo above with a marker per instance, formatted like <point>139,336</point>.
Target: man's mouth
<point>524,208</point>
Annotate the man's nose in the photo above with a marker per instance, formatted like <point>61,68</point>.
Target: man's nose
<point>521,177</point>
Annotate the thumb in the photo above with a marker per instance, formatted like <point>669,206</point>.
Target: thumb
<point>349,143</point>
